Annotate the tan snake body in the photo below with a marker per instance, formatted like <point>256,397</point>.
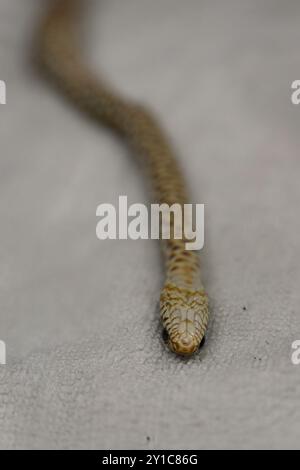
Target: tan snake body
<point>183,301</point>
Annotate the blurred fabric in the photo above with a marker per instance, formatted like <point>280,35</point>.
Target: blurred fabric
<point>86,365</point>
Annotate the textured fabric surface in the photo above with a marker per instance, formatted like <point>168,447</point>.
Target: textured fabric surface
<point>86,366</point>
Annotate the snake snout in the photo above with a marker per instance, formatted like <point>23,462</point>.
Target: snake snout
<point>185,344</point>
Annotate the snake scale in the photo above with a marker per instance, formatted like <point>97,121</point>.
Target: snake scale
<point>183,300</point>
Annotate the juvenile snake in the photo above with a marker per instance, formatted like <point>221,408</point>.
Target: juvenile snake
<point>183,301</point>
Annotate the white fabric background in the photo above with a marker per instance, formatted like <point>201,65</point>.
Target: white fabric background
<point>86,367</point>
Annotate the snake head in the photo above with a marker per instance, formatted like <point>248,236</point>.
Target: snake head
<point>183,339</point>
<point>184,315</point>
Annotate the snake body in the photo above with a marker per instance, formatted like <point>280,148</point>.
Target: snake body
<point>183,301</point>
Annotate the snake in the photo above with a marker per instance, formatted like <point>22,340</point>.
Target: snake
<point>184,305</point>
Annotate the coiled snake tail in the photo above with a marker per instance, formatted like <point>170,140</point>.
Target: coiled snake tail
<point>183,301</point>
